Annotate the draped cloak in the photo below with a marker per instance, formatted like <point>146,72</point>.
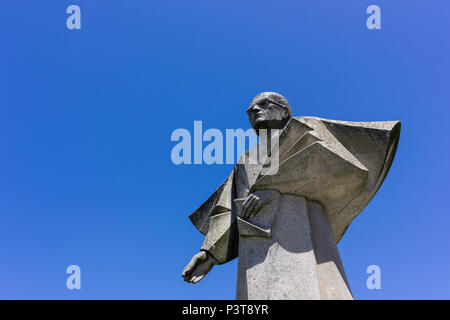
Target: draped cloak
<point>326,168</point>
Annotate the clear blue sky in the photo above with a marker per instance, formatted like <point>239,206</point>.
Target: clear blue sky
<point>86,116</point>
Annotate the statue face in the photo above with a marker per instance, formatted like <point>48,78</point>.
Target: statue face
<point>266,114</point>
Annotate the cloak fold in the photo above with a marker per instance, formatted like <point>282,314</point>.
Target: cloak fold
<point>340,164</point>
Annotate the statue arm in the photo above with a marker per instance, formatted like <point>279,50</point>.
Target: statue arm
<point>215,219</point>
<point>219,246</point>
<point>221,241</point>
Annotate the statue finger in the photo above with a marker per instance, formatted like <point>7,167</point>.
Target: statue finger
<point>256,208</point>
<point>244,208</point>
<point>243,212</point>
<point>187,278</point>
<point>251,210</point>
<point>188,269</point>
<point>246,201</point>
<point>197,279</point>
<point>186,272</point>
<point>192,279</point>
<point>247,211</point>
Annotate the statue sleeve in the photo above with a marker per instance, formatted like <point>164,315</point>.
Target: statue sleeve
<point>217,221</point>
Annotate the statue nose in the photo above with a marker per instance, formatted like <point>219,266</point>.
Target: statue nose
<point>256,108</point>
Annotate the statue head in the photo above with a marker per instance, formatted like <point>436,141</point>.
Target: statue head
<point>269,110</point>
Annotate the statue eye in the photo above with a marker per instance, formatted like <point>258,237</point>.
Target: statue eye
<point>263,104</point>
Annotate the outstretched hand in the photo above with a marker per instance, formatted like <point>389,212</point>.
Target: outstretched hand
<point>198,267</point>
